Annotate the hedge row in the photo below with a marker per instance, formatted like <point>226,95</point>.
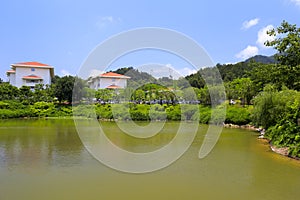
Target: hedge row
<point>138,112</point>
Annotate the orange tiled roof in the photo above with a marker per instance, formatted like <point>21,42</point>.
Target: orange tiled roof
<point>113,87</point>
<point>33,63</point>
<point>32,77</point>
<point>112,74</point>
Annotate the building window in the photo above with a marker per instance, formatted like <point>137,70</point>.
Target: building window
<point>32,69</point>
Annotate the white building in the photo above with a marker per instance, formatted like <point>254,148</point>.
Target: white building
<point>30,74</point>
<point>109,80</point>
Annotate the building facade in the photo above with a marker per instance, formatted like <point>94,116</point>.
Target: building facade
<point>109,80</point>
<point>30,74</point>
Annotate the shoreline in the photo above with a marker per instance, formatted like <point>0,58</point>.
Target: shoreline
<point>284,151</point>
<point>247,126</point>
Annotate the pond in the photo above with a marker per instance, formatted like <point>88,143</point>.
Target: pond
<point>45,159</point>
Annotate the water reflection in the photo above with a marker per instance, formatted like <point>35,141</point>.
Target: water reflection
<point>36,155</point>
<point>33,143</point>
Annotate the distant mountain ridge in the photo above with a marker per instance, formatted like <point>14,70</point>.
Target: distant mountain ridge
<point>262,59</point>
<point>228,72</point>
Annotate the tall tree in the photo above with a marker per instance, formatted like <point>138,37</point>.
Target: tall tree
<point>26,95</point>
<point>43,93</point>
<point>104,95</point>
<point>8,92</point>
<point>63,89</point>
<point>287,43</point>
<point>79,91</point>
<point>243,88</point>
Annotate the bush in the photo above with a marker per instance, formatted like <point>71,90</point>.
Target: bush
<point>190,112</point>
<point>4,105</point>
<point>84,111</point>
<point>104,111</point>
<point>121,111</point>
<point>8,113</point>
<point>174,112</point>
<point>205,114</point>
<point>281,119</point>
<point>238,115</point>
<point>42,109</point>
<point>158,112</point>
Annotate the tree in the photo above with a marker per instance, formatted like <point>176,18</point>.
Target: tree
<point>271,106</point>
<point>26,95</point>
<point>43,93</point>
<point>243,88</point>
<point>79,91</point>
<point>8,92</point>
<point>139,95</point>
<point>287,43</point>
<point>89,93</point>
<point>189,94</point>
<point>63,89</point>
<point>204,95</point>
<point>276,74</point>
<point>104,95</point>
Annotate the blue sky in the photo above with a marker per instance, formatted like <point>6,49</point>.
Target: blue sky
<point>62,33</point>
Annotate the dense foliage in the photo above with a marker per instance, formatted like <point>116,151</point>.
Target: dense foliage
<point>279,112</point>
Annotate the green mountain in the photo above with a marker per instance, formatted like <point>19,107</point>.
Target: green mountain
<point>262,59</point>
<point>230,72</point>
<point>135,75</point>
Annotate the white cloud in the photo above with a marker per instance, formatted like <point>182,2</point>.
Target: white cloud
<point>186,71</point>
<point>296,2</point>
<point>250,23</point>
<point>262,36</point>
<point>105,21</point>
<point>65,72</point>
<point>95,72</point>
<point>248,52</point>
<point>179,72</point>
<point>166,70</point>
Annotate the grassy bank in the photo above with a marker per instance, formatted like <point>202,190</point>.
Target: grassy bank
<point>140,112</point>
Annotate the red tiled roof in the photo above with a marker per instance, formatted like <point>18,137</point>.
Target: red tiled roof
<point>112,74</point>
<point>113,87</point>
<point>33,63</point>
<point>32,77</point>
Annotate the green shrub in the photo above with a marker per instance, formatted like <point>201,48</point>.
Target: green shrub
<point>190,112</point>
<point>84,111</point>
<point>104,111</point>
<point>238,115</point>
<point>205,114</point>
<point>42,109</point>
<point>121,111</point>
<point>158,112</point>
<point>4,105</point>
<point>9,113</point>
<point>174,112</point>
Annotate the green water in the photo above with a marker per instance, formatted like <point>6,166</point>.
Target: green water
<point>45,159</point>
